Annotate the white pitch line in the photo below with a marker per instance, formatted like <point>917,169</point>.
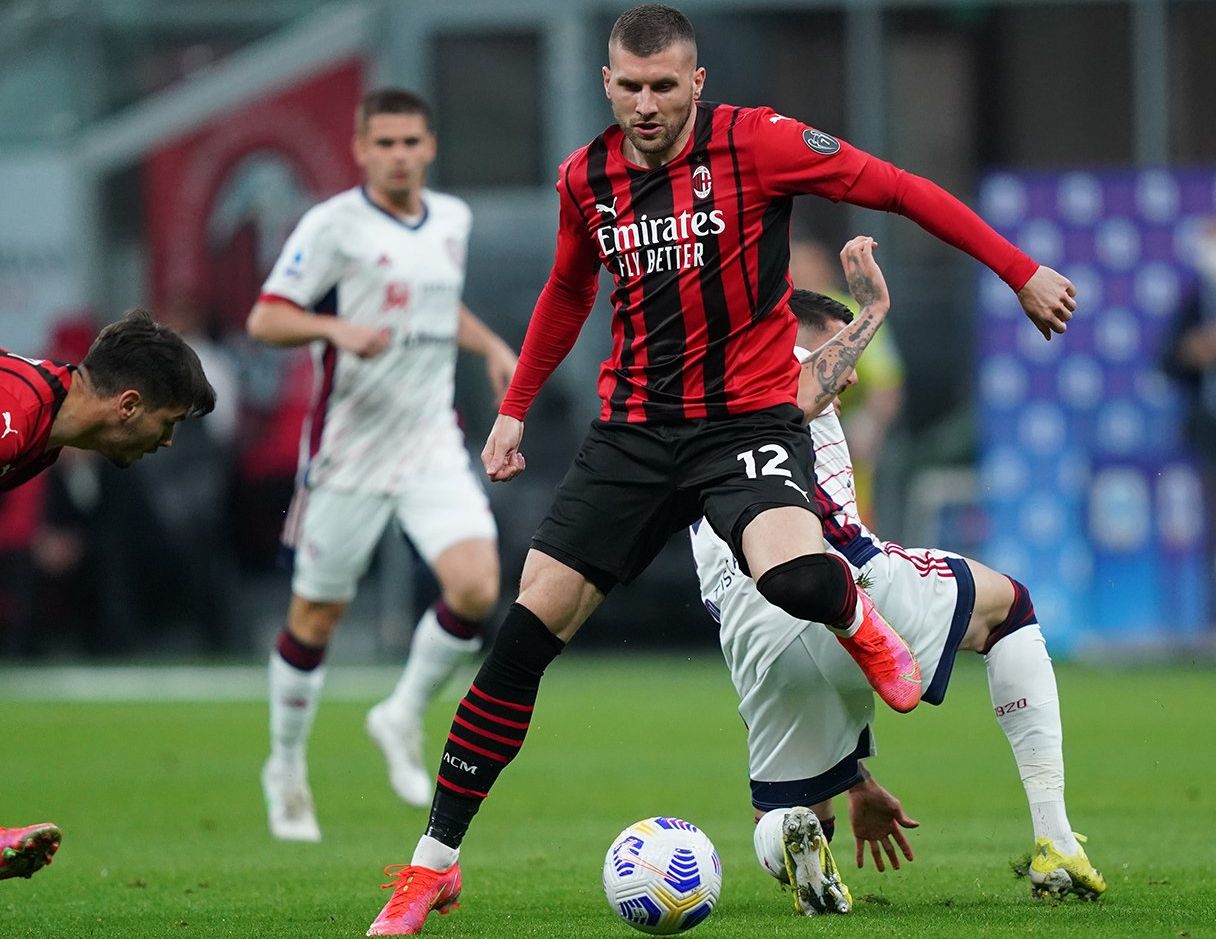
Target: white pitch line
<point>179,683</point>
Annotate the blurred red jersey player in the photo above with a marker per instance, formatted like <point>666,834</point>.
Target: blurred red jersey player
<point>137,381</point>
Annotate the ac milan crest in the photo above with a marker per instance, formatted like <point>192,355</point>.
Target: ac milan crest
<point>702,182</point>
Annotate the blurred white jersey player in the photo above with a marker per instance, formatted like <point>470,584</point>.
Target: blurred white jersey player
<point>809,709</point>
<point>373,278</point>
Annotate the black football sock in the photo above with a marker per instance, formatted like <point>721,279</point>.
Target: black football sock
<point>491,722</point>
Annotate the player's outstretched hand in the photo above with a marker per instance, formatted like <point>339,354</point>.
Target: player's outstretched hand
<point>501,456</point>
<point>878,819</point>
<point>866,283</point>
<point>366,342</point>
<point>1049,299</point>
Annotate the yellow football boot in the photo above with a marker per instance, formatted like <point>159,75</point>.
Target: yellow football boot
<point>1056,875</point>
<point>811,868</point>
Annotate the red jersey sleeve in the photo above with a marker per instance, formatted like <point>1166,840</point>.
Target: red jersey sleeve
<point>883,186</point>
<point>563,307</point>
<point>792,158</point>
<point>16,427</point>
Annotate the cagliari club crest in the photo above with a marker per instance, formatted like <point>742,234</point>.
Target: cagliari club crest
<point>702,182</point>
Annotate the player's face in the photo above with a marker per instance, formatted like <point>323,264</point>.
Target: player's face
<point>394,152</point>
<point>810,383</point>
<point>139,432</point>
<point>652,99</point>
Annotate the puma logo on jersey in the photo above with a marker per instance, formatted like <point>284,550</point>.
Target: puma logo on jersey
<point>794,485</point>
<point>8,426</point>
<point>609,210</point>
<point>777,118</point>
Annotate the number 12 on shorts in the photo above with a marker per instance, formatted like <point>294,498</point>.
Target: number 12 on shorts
<point>772,455</point>
<point>771,467</point>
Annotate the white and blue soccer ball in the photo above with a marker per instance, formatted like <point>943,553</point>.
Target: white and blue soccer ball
<point>662,875</point>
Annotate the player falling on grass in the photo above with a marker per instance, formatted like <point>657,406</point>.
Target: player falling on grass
<point>373,278</point>
<point>687,204</point>
<point>137,381</point>
<point>808,709</point>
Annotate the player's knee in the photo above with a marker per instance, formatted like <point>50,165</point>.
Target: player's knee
<point>474,599</point>
<point>313,622</point>
<point>813,587</point>
<point>1021,614</point>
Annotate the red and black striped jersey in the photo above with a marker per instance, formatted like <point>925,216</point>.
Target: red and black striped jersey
<point>699,252</point>
<point>31,393</point>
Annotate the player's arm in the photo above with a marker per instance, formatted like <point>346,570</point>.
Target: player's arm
<point>309,267</point>
<point>790,158</point>
<point>1047,297</point>
<point>832,362</point>
<point>562,308</point>
<point>878,818</point>
<point>473,335</point>
<point>280,322</point>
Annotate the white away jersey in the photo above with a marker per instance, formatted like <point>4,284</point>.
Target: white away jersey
<point>375,422</point>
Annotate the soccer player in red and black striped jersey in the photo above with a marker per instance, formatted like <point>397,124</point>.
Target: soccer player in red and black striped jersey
<point>687,204</point>
<point>136,382</point>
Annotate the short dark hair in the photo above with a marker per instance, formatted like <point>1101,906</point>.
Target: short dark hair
<point>815,310</point>
<point>138,352</point>
<point>650,28</point>
<point>390,101</point>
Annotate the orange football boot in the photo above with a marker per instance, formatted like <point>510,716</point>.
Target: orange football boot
<point>416,891</point>
<point>884,658</point>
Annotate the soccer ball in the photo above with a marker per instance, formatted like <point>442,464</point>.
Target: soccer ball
<point>662,875</point>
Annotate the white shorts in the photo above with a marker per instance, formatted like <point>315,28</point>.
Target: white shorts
<point>808,715</point>
<point>332,532</point>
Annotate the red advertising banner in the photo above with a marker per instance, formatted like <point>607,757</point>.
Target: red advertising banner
<point>221,201</point>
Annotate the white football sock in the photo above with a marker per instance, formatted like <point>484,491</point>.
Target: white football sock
<point>434,854</point>
<point>770,850</point>
<point>293,705</point>
<point>1022,684</point>
<point>434,655</point>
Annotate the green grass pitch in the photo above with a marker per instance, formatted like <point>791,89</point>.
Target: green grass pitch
<point>165,835</point>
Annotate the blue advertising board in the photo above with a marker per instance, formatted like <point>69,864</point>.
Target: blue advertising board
<point>1092,497</point>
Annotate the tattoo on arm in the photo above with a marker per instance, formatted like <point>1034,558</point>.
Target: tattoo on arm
<point>833,361</point>
<point>861,285</point>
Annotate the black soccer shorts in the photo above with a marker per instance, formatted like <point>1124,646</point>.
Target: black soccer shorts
<point>632,486</point>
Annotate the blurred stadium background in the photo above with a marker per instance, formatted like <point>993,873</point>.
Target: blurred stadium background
<point>157,152</point>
